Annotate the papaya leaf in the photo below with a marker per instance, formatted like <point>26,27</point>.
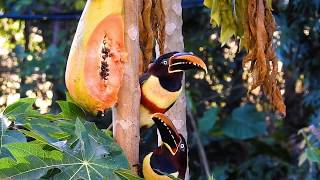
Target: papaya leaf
<point>90,158</point>
<point>16,111</point>
<point>43,129</point>
<point>245,122</point>
<point>69,98</point>
<point>127,174</point>
<point>70,111</point>
<point>31,113</point>
<point>7,137</point>
<point>20,168</point>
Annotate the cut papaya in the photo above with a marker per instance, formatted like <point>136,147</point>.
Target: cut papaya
<point>95,64</point>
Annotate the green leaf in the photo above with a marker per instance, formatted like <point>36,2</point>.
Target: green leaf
<point>226,33</point>
<point>69,98</point>
<point>70,111</point>
<point>245,122</point>
<point>209,119</point>
<point>31,113</point>
<point>208,3</point>
<point>313,154</point>
<point>34,135</point>
<point>32,161</point>
<point>45,130</point>
<point>269,3</point>
<point>127,174</point>
<point>16,111</point>
<point>94,156</point>
<point>219,172</point>
<point>7,137</point>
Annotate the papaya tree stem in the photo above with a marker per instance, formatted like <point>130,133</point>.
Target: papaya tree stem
<point>126,112</point>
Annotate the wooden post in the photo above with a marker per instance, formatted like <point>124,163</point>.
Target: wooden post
<point>126,130</point>
<point>174,42</point>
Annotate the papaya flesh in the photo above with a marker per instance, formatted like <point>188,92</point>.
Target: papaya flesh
<point>94,69</point>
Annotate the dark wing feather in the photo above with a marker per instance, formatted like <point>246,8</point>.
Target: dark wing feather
<point>144,77</point>
<point>162,162</point>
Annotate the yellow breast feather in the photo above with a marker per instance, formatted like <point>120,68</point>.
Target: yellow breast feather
<point>161,97</point>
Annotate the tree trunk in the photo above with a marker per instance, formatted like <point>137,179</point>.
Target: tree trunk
<point>126,112</point>
<point>174,42</point>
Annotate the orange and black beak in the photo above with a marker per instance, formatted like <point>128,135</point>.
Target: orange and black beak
<point>185,60</point>
<point>169,135</point>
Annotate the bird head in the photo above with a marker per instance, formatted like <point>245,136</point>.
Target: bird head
<point>175,63</point>
<point>173,152</point>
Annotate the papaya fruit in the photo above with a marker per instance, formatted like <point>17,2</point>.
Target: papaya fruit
<point>94,68</point>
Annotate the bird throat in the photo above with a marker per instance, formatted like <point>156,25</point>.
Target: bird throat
<point>172,82</point>
<point>156,94</point>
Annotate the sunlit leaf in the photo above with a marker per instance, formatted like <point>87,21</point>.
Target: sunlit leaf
<point>16,111</point>
<point>46,129</point>
<point>91,158</point>
<point>8,136</point>
<point>226,34</point>
<point>70,111</point>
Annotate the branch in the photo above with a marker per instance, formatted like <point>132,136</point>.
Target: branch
<point>202,154</point>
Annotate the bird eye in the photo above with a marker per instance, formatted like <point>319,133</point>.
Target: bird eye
<point>182,146</point>
<point>165,62</point>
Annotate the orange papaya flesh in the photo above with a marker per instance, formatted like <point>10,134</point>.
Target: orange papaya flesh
<point>95,68</point>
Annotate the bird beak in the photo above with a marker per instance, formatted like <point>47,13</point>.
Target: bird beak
<point>169,134</point>
<point>184,61</point>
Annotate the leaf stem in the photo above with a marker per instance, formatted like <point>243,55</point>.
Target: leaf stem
<point>202,154</point>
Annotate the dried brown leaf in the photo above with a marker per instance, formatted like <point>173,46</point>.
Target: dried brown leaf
<point>259,27</point>
<point>151,28</point>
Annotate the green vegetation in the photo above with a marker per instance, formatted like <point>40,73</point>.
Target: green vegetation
<point>242,136</point>
<point>63,145</point>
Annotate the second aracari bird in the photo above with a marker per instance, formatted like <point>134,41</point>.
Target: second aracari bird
<point>171,157</point>
<point>161,85</point>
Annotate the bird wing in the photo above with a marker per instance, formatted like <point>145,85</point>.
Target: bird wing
<point>163,163</point>
<point>144,77</point>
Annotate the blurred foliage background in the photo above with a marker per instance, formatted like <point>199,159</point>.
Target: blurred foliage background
<point>243,137</point>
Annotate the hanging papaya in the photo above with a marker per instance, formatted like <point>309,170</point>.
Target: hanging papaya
<point>95,64</point>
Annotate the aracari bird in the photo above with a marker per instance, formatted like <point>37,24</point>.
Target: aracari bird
<point>161,85</point>
<point>171,157</point>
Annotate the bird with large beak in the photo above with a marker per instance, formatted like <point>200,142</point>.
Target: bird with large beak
<point>161,85</point>
<point>171,157</point>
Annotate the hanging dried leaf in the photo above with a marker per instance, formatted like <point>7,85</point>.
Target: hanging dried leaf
<point>145,32</point>
<point>158,24</point>
<point>151,28</point>
<point>258,40</point>
<point>252,21</point>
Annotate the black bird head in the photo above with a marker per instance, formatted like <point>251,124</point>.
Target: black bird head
<point>173,63</point>
<point>172,155</point>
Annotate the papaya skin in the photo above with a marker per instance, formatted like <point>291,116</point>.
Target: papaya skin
<point>94,69</point>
